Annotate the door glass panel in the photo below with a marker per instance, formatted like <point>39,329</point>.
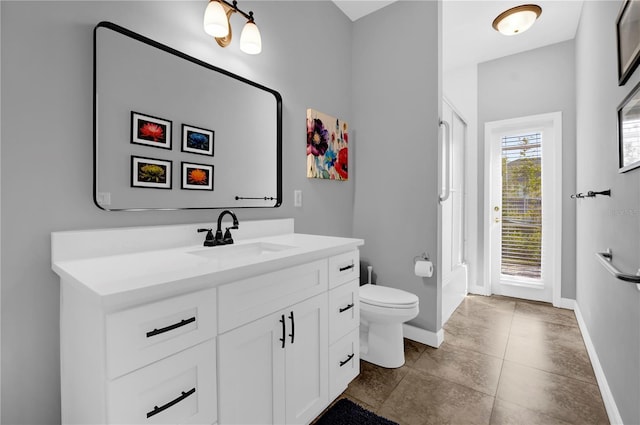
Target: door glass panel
<point>522,206</point>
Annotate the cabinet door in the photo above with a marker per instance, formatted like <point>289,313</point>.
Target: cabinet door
<point>307,354</point>
<point>251,372</point>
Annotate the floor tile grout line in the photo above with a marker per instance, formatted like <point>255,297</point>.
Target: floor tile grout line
<point>504,354</point>
<point>595,383</point>
<point>564,325</point>
<point>424,372</point>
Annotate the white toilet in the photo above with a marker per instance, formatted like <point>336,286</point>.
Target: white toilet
<point>383,310</point>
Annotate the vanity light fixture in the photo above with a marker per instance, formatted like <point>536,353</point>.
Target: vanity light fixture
<point>517,19</point>
<point>217,18</point>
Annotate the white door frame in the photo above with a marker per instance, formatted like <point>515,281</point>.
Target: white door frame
<point>553,172</point>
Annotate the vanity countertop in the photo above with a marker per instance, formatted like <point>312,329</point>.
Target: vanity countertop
<point>183,267</point>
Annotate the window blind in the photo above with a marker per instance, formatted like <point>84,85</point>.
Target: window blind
<point>522,206</point>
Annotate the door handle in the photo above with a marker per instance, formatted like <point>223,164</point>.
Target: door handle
<point>348,307</point>
<point>182,396</point>
<point>446,148</point>
<point>345,268</point>
<point>181,323</point>
<point>349,357</point>
<point>283,330</point>
<point>293,328</point>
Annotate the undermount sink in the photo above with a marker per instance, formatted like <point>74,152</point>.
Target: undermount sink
<point>241,252</point>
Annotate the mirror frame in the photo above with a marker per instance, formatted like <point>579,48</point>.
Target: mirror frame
<point>181,55</point>
<point>623,167</point>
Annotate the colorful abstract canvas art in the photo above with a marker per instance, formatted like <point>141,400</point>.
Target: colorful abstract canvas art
<point>327,147</point>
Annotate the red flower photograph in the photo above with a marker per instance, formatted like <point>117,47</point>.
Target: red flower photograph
<point>150,131</point>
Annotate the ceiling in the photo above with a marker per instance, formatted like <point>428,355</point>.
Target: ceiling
<point>356,9</point>
<point>468,37</point>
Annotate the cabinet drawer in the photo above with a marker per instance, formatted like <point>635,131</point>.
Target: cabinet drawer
<point>344,362</point>
<point>247,300</point>
<point>344,310</point>
<point>178,389</point>
<point>343,268</point>
<point>142,335</point>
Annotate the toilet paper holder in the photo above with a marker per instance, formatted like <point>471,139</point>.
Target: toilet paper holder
<point>422,265</point>
<point>422,257</point>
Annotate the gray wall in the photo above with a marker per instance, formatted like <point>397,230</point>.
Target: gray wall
<point>47,149</point>
<point>610,308</point>
<point>535,82</point>
<point>396,103</point>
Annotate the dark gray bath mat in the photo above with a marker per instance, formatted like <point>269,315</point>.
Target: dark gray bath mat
<point>346,412</point>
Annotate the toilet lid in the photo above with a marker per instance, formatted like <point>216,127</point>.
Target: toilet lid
<point>384,296</point>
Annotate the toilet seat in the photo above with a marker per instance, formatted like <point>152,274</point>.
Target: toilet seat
<point>383,296</point>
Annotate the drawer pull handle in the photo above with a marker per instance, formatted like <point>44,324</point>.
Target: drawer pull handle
<point>344,362</point>
<point>157,409</point>
<point>345,268</point>
<point>283,330</point>
<point>348,307</point>
<point>293,329</point>
<point>181,323</point>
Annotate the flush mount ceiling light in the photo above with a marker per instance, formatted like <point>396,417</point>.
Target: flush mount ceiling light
<point>517,19</point>
<point>217,23</point>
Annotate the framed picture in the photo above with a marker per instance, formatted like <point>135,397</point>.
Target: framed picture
<point>150,131</point>
<point>629,131</point>
<point>327,146</point>
<point>628,38</point>
<point>197,176</point>
<point>197,140</point>
<point>150,173</point>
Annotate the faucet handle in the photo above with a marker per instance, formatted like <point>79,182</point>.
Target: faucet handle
<point>228,240</point>
<point>208,240</point>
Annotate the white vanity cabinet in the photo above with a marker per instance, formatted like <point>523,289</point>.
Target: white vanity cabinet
<point>288,365</point>
<point>274,369</point>
<point>176,337</point>
<point>154,363</point>
<point>344,321</point>
<point>268,379</point>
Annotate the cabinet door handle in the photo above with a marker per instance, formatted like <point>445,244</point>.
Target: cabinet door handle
<point>293,328</point>
<point>157,409</point>
<point>344,362</point>
<point>181,323</point>
<point>283,330</point>
<point>345,268</point>
<point>348,307</point>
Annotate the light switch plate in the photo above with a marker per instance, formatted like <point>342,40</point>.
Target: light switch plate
<point>104,198</point>
<point>297,198</point>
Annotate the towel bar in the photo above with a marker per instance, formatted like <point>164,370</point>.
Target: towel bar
<point>606,258</point>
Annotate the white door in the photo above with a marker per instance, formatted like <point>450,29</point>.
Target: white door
<point>251,367</point>
<point>454,269</point>
<point>307,360</point>
<point>523,206</point>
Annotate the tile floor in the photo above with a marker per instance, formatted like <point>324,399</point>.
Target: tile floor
<point>504,361</point>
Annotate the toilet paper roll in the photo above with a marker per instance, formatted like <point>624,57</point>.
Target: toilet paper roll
<point>424,268</point>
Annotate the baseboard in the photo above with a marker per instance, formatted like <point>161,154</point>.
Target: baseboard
<point>607,395</point>
<point>566,303</point>
<point>432,339</point>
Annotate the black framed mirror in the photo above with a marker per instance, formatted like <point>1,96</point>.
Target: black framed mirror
<point>173,132</point>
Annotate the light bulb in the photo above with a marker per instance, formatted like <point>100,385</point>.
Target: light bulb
<point>250,40</point>
<point>216,22</point>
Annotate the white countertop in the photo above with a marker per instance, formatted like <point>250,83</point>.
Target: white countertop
<point>130,272</point>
